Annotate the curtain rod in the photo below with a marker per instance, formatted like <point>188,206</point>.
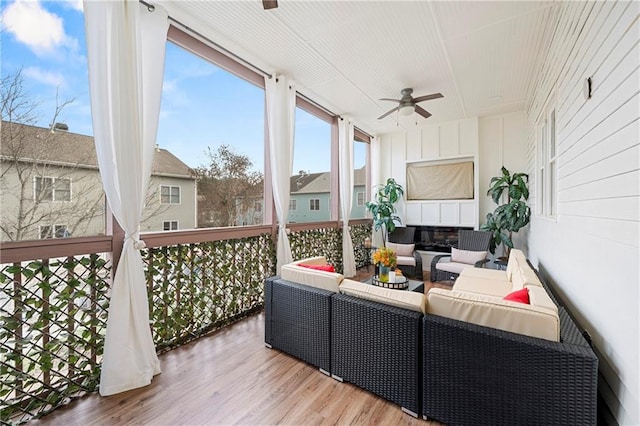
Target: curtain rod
<point>256,68</point>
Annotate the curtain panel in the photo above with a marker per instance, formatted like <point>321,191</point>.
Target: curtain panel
<point>281,110</point>
<point>376,181</point>
<point>125,53</point>
<point>345,159</point>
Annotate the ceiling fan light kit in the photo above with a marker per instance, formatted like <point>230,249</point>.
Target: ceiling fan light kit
<point>408,104</point>
<point>407,109</point>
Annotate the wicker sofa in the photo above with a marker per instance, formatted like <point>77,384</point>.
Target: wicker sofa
<point>446,369</point>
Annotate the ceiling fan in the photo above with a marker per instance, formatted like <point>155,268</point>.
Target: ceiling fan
<point>269,4</point>
<point>408,104</point>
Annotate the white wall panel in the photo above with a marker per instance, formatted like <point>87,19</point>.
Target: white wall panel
<point>449,139</point>
<point>449,213</point>
<point>430,142</point>
<point>467,214</point>
<point>468,137</point>
<point>430,214</point>
<point>414,214</point>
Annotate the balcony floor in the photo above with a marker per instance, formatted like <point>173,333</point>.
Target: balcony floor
<point>230,377</point>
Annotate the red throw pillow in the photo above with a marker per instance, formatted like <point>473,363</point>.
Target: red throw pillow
<point>326,268</point>
<point>521,296</point>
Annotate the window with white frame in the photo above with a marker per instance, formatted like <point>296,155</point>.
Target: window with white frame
<point>55,231</point>
<point>314,204</point>
<point>170,225</point>
<point>258,206</point>
<point>52,189</point>
<point>546,154</point>
<point>169,194</point>
<point>360,199</point>
<point>293,205</point>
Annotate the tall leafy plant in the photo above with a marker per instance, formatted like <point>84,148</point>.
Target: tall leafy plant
<point>382,208</point>
<point>514,214</point>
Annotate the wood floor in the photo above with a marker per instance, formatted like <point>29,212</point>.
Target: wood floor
<point>230,377</point>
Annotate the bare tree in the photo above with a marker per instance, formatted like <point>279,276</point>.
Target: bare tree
<point>228,189</point>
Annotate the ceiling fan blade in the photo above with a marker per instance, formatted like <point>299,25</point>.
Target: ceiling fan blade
<point>428,97</point>
<point>387,99</point>
<point>269,4</point>
<point>388,112</point>
<point>423,112</point>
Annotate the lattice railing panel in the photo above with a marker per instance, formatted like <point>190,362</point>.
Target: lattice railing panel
<point>53,315</point>
<point>195,288</point>
<point>325,242</point>
<point>358,234</point>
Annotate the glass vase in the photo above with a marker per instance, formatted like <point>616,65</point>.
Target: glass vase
<point>383,273</point>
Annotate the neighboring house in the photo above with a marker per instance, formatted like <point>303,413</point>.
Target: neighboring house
<point>50,187</point>
<point>310,201</point>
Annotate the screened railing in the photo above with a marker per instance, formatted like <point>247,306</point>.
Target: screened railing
<point>54,300</point>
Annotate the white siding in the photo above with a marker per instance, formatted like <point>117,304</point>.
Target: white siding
<point>590,252</point>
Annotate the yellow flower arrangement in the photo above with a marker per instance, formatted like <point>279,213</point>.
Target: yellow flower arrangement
<point>385,257</point>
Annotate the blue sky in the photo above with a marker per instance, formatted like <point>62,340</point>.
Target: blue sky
<point>202,105</point>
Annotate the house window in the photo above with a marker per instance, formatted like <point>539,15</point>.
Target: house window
<point>314,204</point>
<point>258,207</point>
<point>360,199</point>
<point>170,225</point>
<point>293,204</point>
<point>52,189</point>
<point>169,194</point>
<point>55,231</point>
<point>546,182</point>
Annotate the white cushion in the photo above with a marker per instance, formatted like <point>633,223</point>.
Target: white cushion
<point>486,273</point>
<point>399,298</point>
<point>539,297</point>
<point>312,277</point>
<point>489,311</point>
<point>490,287</point>
<point>402,249</point>
<point>406,260</point>
<point>454,267</point>
<point>467,256</point>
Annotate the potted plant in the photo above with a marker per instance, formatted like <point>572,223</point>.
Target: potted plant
<point>382,208</point>
<point>511,216</point>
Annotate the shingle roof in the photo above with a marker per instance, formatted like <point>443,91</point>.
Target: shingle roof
<point>314,183</point>
<point>31,143</point>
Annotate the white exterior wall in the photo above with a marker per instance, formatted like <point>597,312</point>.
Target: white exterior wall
<point>590,251</point>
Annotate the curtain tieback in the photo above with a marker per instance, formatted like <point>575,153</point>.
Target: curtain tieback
<point>138,244</point>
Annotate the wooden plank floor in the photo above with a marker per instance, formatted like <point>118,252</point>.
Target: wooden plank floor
<point>230,377</point>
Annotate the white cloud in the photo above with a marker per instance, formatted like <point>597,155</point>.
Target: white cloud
<point>42,76</point>
<point>74,4</point>
<point>31,24</point>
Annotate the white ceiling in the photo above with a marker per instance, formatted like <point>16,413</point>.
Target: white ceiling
<point>345,55</point>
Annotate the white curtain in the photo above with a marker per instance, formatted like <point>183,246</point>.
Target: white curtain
<point>345,160</point>
<point>125,51</point>
<point>376,180</point>
<point>281,110</point>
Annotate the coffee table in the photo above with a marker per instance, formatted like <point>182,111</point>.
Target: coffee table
<point>417,286</point>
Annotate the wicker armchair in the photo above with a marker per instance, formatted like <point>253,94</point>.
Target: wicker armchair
<point>467,240</point>
<point>405,235</point>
